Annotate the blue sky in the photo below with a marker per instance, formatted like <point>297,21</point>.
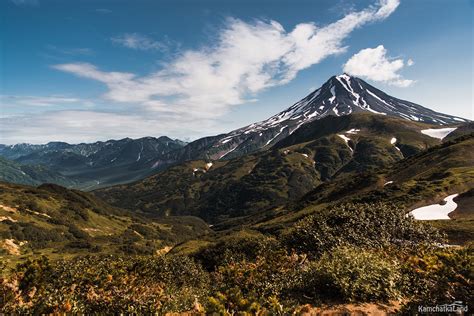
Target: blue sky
<point>81,71</point>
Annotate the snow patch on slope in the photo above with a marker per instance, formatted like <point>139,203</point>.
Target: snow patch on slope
<point>436,211</point>
<point>439,133</point>
<point>353,131</point>
<point>229,151</point>
<point>393,141</point>
<point>346,139</point>
<point>333,92</point>
<point>270,140</point>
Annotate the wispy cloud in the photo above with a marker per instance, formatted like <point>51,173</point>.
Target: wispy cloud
<point>41,101</point>
<point>75,126</point>
<point>138,41</point>
<point>191,92</point>
<point>74,51</point>
<point>246,59</point>
<point>103,11</point>
<point>25,2</point>
<point>374,64</point>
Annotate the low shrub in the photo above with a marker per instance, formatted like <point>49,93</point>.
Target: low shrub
<point>375,225</point>
<point>438,277</point>
<point>351,274</point>
<point>101,284</point>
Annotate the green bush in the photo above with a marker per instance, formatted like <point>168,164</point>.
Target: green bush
<point>36,235</point>
<point>104,284</point>
<point>234,248</point>
<point>351,274</point>
<point>375,225</point>
<point>439,276</point>
<point>258,286</point>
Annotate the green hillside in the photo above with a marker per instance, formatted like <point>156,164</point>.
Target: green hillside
<point>316,222</point>
<point>57,222</point>
<point>14,172</point>
<point>423,179</point>
<point>252,184</point>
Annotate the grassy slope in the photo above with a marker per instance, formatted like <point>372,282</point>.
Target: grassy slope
<point>58,222</point>
<point>432,175</point>
<point>13,172</point>
<point>259,183</point>
<point>419,180</point>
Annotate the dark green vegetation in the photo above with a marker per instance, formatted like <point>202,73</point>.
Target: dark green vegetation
<point>249,272</point>
<point>54,221</point>
<point>303,162</point>
<point>87,166</point>
<point>313,220</point>
<point>14,172</point>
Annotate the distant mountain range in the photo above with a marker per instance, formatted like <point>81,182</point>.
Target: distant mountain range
<point>92,165</point>
<point>100,164</point>
<point>320,153</point>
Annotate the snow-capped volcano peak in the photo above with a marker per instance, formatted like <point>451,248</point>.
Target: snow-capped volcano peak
<point>344,94</point>
<point>340,95</point>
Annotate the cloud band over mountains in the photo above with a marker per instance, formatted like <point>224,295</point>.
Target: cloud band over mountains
<point>191,92</point>
<point>246,59</point>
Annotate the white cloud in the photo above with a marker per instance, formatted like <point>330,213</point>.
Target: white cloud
<point>25,2</point>
<point>373,64</point>
<point>191,92</point>
<point>80,51</point>
<point>138,42</point>
<point>246,59</point>
<point>103,11</point>
<point>28,100</point>
<point>75,126</point>
<point>410,62</point>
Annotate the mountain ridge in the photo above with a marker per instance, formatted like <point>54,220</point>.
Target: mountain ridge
<point>338,96</point>
<point>94,164</point>
<point>321,151</point>
<point>111,162</point>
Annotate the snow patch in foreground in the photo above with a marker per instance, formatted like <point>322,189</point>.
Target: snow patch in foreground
<point>439,133</point>
<point>436,211</point>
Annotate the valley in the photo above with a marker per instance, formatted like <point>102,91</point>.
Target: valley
<point>309,208</point>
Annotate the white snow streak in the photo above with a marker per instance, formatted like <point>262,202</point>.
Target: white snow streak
<point>439,133</point>
<point>281,130</point>
<point>346,139</point>
<point>353,131</point>
<point>380,99</point>
<point>333,92</point>
<point>140,153</point>
<point>436,211</point>
<point>229,151</point>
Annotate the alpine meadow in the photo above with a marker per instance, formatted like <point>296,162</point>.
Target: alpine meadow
<point>236,157</point>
